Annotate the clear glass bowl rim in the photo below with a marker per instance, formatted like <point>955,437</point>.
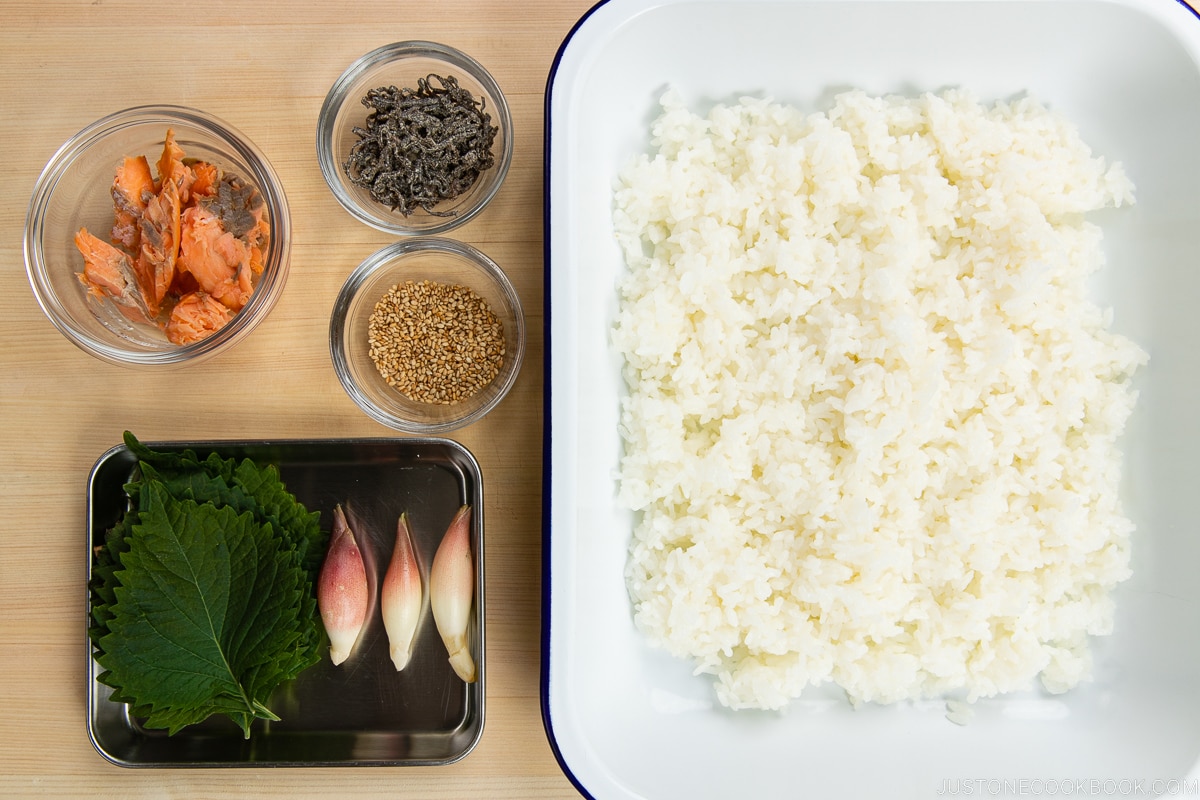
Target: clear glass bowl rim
<point>265,295</point>
<point>339,321</point>
<point>338,96</point>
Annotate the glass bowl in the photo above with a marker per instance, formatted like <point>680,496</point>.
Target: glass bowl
<point>446,263</point>
<point>402,65</point>
<point>74,191</point>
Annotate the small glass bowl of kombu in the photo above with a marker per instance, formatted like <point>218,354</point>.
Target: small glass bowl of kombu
<point>414,138</point>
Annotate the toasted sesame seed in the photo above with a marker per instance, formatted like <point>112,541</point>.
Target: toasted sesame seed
<point>435,342</point>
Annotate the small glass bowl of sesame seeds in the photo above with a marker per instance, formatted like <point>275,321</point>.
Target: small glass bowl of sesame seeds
<point>427,335</point>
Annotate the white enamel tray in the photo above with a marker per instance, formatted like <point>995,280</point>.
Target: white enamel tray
<point>630,722</point>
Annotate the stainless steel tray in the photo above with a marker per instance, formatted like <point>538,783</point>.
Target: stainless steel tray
<point>362,713</point>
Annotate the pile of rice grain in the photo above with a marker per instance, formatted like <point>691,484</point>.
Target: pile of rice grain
<point>872,413</point>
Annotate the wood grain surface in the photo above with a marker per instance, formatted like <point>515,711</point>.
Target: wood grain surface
<point>265,68</point>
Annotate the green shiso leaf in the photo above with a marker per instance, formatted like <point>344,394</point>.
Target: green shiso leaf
<point>243,485</point>
<point>202,594</point>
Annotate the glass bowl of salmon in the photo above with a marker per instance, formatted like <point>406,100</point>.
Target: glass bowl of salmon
<point>427,335</point>
<point>415,138</point>
<point>157,236</point>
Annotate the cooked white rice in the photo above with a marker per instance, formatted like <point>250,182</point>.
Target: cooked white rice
<point>872,413</point>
